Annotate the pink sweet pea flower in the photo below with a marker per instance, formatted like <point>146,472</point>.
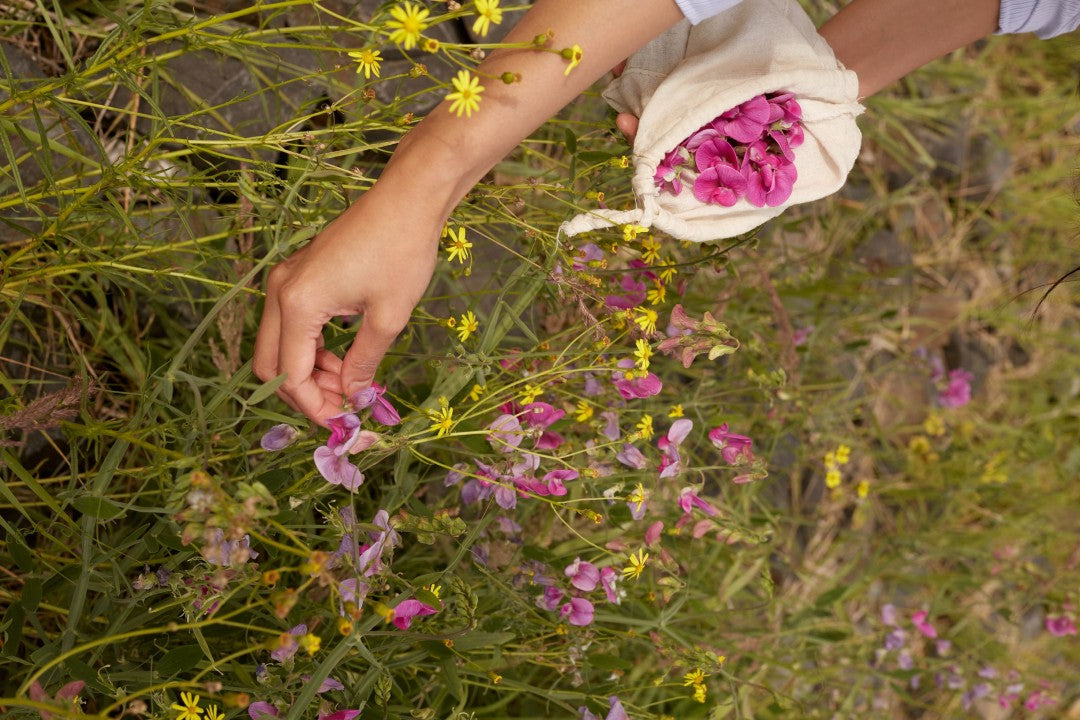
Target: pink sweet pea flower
<point>635,294</point>
<point>734,448</point>
<point>343,431</point>
<point>554,480</point>
<point>688,499</point>
<point>769,178</point>
<point>608,578</point>
<point>611,425</point>
<point>670,463</point>
<point>1060,626</point>
<point>65,696</point>
<point>636,387</point>
<point>918,619</point>
<point>370,560</point>
<point>747,122</point>
<point>653,532</point>
<point>407,610</point>
<point>716,151</point>
<point>381,409</point>
<point>278,437</point>
<point>261,709</point>
<point>667,172</point>
<point>720,185</point>
<point>541,414</point>
<point>583,575</point>
<point>578,611</point>
<point>631,457</point>
<point>958,392</point>
<point>332,459</point>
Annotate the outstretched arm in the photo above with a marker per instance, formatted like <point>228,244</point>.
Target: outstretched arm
<point>376,259</point>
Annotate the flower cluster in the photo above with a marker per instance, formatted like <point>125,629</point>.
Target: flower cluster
<point>745,153</point>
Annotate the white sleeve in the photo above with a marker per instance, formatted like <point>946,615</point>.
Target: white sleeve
<point>698,10</point>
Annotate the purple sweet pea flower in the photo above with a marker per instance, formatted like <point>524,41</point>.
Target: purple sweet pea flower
<point>337,470</point>
<point>505,433</point>
<point>688,499</point>
<point>407,610</point>
<point>278,437</point>
<point>381,409</point>
<point>888,614</point>
<point>550,599</point>
<point>261,709</point>
<point>631,457</point>
<point>733,447</point>
<point>370,561</point>
<point>288,645</point>
<point>588,253</point>
<point>505,497</point>
<point>583,575</point>
<point>670,462</point>
<point>578,611</point>
<point>895,639</point>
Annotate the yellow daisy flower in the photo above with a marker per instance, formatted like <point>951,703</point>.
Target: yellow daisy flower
<point>487,12</point>
<point>636,565</point>
<point>367,62</point>
<point>188,708</point>
<point>646,320</point>
<point>467,326</point>
<point>466,97</point>
<point>443,419</point>
<point>407,24</point>
<point>458,246</point>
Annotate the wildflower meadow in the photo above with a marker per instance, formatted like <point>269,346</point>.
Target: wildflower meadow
<point>825,469</point>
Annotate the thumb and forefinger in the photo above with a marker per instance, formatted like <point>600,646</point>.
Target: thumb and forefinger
<point>373,340</point>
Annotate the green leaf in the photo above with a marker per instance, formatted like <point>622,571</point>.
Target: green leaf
<point>475,640</point>
<point>31,594</point>
<point>453,680</point>
<point>179,659</point>
<point>267,389</point>
<point>19,552</point>
<point>570,139</point>
<point>98,507</point>
<point>609,662</point>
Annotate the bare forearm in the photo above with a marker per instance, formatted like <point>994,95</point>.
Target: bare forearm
<point>883,40</point>
<point>452,153</point>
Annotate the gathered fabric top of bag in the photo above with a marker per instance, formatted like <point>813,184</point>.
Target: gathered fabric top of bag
<point>690,75</point>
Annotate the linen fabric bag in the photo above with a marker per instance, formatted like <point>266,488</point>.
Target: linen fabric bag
<point>690,75</point>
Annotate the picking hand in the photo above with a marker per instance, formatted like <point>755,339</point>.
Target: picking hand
<point>375,260</point>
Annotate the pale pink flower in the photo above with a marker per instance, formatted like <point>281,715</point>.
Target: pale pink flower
<point>506,433</point>
<point>578,611</point>
<point>64,697</point>
<point>608,579</point>
<point>583,575</point>
<point>631,457</point>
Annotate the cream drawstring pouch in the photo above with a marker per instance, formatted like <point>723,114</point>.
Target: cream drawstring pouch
<point>690,75</point>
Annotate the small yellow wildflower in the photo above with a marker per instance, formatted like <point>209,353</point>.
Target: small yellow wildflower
<point>443,419</point>
<point>637,497</point>
<point>863,488</point>
<point>676,411</point>
<point>934,426</point>
<point>496,678</point>
<point>657,294</point>
<point>573,54</point>
<point>636,565</point>
<point>407,24</point>
<point>476,392</point>
<point>487,12</point>
<point>642,354</point>
<point>466,97</point>
<point>467,326</point>
<point>530,393</point>
<point>344,626</point>
<point>458,246</point>
<point>843,454</point>
<point>832,479</point>
<point>694,677</point>
<point>584,411</point>
<point>188,708</point>
<point>645,427</point>
<point>650,250</point>
<point>213,713</point>
<point>630,232</point>
<point>367,62</point>
<point>434,589</point>
<point>310,642</point>
<point>430,45</point>
<point>646,320</point>
<point>699,693</point>
<point>667,270</point>
<point>830,460</point>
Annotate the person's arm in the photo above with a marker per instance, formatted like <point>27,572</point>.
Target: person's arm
<point>883,40</point>
<point>376,259</point>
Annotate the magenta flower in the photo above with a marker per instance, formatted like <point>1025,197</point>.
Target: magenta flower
<point>339,715</point>
<point>64,697</point>
<point>636,387</point>
<point>702,135</point>
<point>541,414</point>
<point>261,709</point>
<point>634,290</point>
<point>578,611</point>
<point>344,429</point>
<point>747,122</point>
<point>720,185</point>
<point>554,480</point>
<point>549,440</point>
<point>1060,626</point>
<point>407,610</point>
<point>278,437</point>
<point>958,392</point>
<point>653,532</point>
<point>716,151</point>
<point>918,619</point>
<point>381,409</point>
<point>583,575</point>
<point>667,172</point>
<point>734,448</point>
<point>783,107</point>
<point>769,178</point>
